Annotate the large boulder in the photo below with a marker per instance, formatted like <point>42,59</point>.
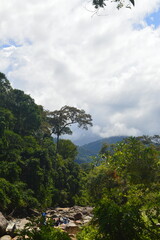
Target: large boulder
<point>20,223</point>
<point>15,224</point>
<point>10,230</point>
<point>3,224</point>
<point>6,237</point>
<point>87,211</point>
<point>72,228</point>
<point>78,216</point>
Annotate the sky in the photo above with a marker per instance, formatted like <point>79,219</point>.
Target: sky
<point>107,62</point>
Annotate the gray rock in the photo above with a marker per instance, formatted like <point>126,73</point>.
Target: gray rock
<point>3,224</point>
<point>11,228</point>
<point>6,237</point>
<point>20,224</point>
<point>87,218</point>
<point>87,210</point>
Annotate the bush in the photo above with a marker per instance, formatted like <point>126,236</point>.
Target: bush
<point>88,233</point>
<point>37,229</point>
<point>122,222</point>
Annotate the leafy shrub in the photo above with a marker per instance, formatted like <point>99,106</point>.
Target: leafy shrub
<point>37,229</point>
<point>88,233</point>
<point>123,222</point>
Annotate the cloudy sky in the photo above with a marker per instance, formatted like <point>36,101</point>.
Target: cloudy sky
<point>107,63</point>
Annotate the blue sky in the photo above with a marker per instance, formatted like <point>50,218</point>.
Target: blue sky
<point>153,19</point>
<point>9,43</point>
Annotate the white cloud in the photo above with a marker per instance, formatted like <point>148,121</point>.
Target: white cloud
<point>62,54</point>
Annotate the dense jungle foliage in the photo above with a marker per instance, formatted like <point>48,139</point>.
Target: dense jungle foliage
<point>122,183</point>
<point>32,172</point>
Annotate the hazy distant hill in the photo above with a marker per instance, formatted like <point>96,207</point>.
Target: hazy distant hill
<point>91,149</point>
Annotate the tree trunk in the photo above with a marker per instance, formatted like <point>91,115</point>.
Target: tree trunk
<point>57,143</point>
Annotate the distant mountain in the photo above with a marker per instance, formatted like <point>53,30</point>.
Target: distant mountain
<point>85,152</point>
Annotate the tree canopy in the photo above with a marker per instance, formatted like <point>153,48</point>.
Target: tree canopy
<point>61,120</point>
<point>124,188</point>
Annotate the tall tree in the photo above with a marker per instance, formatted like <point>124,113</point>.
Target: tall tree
<point>61,120</point>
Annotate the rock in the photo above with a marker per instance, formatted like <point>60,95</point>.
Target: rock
<point>78,216</point>
<point>87,219</point>
<point>11,228</point>
<point>6,237</point>
<point>72,228</point>
<point>87,211</point>
<point>71,218</point>
<point>63,209</point>
<point>3,224</point>
<point>15,238</point>
<point>78,222</point>
<point>51,213</point>
<point>20,224</point>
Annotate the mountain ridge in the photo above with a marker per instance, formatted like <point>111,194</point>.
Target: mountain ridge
<point>86,151</point>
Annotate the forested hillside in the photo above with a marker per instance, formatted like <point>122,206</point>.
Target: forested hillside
<point>32,172</point>
<point>87,151</point>
<point>123,184</point>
